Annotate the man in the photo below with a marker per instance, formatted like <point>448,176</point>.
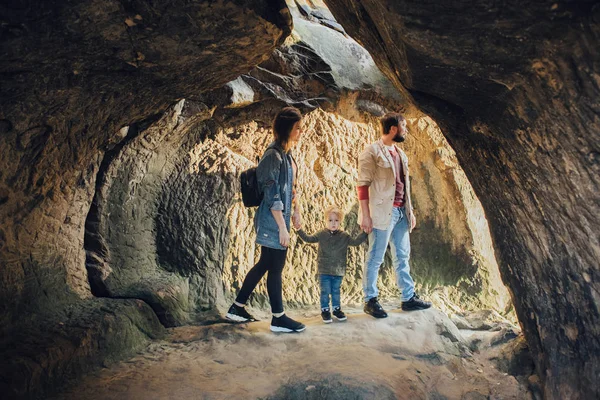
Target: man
<point>386,213</point>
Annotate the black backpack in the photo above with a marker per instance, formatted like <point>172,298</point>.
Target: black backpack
<point>251,193</point>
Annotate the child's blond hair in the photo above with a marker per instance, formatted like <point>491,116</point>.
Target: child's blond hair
<point>335,210</point>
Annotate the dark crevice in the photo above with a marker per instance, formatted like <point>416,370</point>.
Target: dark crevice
<point>432,104</point>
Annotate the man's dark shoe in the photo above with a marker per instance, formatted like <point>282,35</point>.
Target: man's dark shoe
<point>286,324</point>
<point>339,314</point>
<point>326,315</point>
<point>239,314</point>
<point>415,303</point>
<point>372,307</point>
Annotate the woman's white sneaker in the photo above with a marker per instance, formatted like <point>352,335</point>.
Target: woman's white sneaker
<point>239,314</point>
<point>286,324</point>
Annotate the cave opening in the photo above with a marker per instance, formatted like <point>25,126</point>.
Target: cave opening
<point>170,189</point>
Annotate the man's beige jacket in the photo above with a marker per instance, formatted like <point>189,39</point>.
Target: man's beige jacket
<point>377,170</point>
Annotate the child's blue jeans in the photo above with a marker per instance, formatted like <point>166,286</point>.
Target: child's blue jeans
<point>330,286</point>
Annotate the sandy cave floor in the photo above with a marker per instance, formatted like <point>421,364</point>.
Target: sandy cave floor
<point>417,355</point>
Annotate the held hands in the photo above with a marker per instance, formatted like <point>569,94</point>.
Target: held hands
<point>284,237</point>
<point>366,224</point>
<point>296,220</point>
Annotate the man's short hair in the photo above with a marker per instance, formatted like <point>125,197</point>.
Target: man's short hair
<point>389,120</point>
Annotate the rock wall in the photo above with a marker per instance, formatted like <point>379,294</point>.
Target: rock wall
<point>449,263</point>
<point>515,88</point>
<point>175,233</point>
<point>121,230</point>
<point>39,356</point>
<point>73,74</point>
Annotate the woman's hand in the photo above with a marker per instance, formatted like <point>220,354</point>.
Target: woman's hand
<point>284,237</point>
<point>296,219</point>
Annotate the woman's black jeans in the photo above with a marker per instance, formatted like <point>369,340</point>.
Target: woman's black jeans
<point>272,261</point>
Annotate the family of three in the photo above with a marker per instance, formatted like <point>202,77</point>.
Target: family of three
<point>385,215</point>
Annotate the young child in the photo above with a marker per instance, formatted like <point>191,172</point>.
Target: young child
<point>331,260</point>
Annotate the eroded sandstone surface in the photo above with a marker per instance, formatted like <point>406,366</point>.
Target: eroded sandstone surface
<point>73,74</point>
<point>362,358</point>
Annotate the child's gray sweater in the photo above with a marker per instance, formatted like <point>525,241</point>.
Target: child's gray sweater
<point>333,249</point>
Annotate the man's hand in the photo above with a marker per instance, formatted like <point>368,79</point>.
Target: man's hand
<point>413,221</point>
<point>284,237</point>
<point>366,224</point>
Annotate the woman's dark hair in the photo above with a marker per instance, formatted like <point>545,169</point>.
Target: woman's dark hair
<point>283,123</point>
<point>389,120</point>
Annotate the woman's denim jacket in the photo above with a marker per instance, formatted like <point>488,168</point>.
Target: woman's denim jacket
<point>277,195</point>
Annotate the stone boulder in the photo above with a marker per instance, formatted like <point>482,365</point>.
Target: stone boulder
<point>38,356</point>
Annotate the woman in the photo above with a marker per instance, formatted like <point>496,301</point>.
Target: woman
<point>276,174</point>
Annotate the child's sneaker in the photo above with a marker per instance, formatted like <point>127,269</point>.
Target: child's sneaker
<point>239,314</point>
<point>339,314</point>
<point>286,324</point>
<point>326,315</point>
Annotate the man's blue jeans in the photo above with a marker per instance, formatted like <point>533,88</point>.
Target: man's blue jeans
<point>330,286</point>
<point>398,238</point>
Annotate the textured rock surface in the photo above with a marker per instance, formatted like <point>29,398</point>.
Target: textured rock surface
<point>406,356</point>
<point>515,88</point>
<point>38,357</point>
<point>121,232</point>
<point>447,263</point>
<point>73,74</point>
